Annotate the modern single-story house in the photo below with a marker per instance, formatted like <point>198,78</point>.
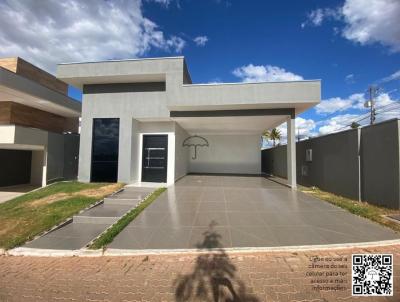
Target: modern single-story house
<point>39,140</point>
<point>142,118</point>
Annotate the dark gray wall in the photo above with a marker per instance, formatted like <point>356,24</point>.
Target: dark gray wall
<point>15,167</point>
<point>334,166</point>
<point>55,157</point>
<point>273,161</point>
<point>71,156</point>
<point>123,87</point>
<point>62,157</point>
<point>337,167</point>
<point>380,164</point>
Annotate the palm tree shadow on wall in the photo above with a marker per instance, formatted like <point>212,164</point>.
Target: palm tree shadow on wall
<point>214,276</point>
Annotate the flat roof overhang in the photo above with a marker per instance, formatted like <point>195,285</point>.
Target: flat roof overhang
<point>225,122</point>
<point>300,95</point>
<point>79,74</point>
<point>18,89</point>
<point>242,107</point>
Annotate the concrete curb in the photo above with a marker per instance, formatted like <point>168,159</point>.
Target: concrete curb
<point>21,251</point>
<point>121,252</point>
<point>31,252</point>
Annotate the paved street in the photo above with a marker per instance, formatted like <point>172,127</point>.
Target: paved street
<point>262,276</point>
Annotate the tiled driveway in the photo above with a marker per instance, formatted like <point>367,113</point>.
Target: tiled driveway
<point>245,212</point>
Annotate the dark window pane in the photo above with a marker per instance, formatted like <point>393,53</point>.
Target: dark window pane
<point>105,143</point>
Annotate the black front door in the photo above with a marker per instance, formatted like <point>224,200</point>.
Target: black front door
<point>154,158</point>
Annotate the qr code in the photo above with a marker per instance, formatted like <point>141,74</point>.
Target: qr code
<point>372,275</point>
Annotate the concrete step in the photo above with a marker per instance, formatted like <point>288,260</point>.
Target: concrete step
<point>104,213</point>
<point>130,195</point>
<point>121,201</point>
<point>82,220</point>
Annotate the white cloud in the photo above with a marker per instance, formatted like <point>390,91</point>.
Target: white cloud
<point>394,76</point>
<point>365,22</point>
<point>375,21</point>
<point>337,123</point>
<point>349,79</point>
<point>49,32</point>
<point>305,128</point>
<point>162,2</point>
<point>317,16</point>
<point>335,104</point>
<point>382,99</point>
<point>267,73</point>
<point>201,40</point>
<point>354,101</point>
<point>215,81</point>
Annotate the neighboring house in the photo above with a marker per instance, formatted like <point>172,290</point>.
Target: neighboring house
<point>137,114</point>
<point>38,126</point>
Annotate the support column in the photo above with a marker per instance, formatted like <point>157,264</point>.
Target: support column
<point>291,152</point>
<point>125,149</point>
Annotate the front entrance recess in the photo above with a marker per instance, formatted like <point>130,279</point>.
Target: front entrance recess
<point>154,158</point>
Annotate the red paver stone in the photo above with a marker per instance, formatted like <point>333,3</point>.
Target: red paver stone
<point>249,277</point>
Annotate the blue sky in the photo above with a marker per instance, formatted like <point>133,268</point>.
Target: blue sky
<point>346,44</point>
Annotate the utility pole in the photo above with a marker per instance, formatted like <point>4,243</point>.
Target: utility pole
<point>373,91</point>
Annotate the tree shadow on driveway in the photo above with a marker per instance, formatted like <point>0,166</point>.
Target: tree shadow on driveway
<point>213,278</point>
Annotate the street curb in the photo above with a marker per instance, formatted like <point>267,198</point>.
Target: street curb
<point>32,252</point>
<point>121,252</point>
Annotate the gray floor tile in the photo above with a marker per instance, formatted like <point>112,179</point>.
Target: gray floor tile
<point>245,219</point>
<point>133,238</point>
<point>252,236</point>
<point>240,205</point>
<point>204,219</point>
<point>283,219</point>
<point>170,238</point>
<point>213,194</point>
<point>148,219</point>
<point>209,206</point>
<point>178,219</point>
<point>296,235</point>
<point>206,237</point>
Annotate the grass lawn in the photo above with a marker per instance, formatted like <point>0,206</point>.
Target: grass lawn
<point>26,216</point>
<point>362,209</point>
<point>108,236</point>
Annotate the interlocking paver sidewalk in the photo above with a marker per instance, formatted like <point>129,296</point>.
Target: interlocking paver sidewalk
<point>255,276</point>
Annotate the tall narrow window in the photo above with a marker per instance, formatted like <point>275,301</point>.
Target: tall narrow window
<point>105,143</point>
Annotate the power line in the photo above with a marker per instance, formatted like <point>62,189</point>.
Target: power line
<point>380,110</point>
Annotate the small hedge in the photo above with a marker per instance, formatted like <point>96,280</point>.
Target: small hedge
<point>108,236</point>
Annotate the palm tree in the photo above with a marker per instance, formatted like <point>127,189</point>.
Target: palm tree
<point>273,135</point>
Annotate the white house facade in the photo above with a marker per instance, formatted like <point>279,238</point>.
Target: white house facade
<point>144,121</point>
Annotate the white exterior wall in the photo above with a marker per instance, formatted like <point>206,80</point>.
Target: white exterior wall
<point>181,153</point>
<point>228,154</point>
